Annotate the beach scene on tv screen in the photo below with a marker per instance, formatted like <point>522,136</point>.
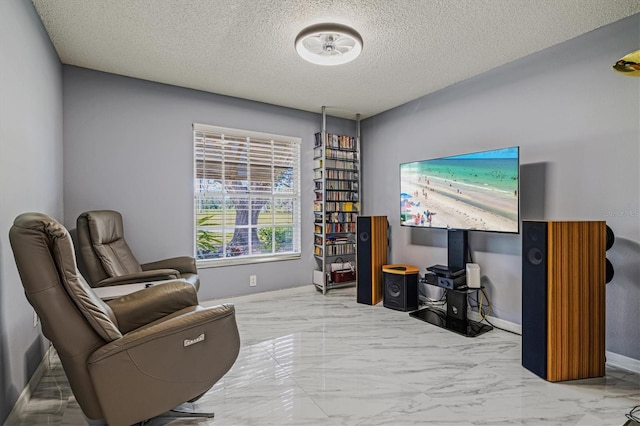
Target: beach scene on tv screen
<point>476,191</point>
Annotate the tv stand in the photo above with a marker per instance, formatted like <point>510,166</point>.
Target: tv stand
<point>439,317</point>
<point>453,278</point>
<point>455,317</point>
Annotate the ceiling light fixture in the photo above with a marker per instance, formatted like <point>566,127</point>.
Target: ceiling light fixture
<point>329,44</point>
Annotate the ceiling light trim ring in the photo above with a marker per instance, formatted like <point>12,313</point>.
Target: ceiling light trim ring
<point>329,44</point>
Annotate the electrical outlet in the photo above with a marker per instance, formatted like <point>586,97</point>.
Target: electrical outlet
<point>253,280</point>
<point>36,320</point>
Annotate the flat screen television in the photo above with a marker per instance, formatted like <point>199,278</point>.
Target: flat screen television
<point>475,192</point>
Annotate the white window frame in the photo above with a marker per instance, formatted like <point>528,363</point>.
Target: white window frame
<point>215,136</point>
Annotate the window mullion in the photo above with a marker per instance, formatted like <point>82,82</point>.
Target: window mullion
<point>273,198</point>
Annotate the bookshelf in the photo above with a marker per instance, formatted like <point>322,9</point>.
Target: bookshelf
<point>337,204</point>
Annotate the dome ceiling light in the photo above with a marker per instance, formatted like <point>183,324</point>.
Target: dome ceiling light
<point>329,44</point>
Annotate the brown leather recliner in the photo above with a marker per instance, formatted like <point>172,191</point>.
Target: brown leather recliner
<point>108,260</point>
<point>134,357</point>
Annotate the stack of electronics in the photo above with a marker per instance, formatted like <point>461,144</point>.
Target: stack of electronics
<point>458,282</point>
<point>450,278</point>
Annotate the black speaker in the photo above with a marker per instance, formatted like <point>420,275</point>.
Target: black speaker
<point>371,254</point>
<point>534,297</point>
<point>611,238</point>
<point>401,292</point>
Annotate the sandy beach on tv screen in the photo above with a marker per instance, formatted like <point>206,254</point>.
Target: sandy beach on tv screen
<point>452,206</point>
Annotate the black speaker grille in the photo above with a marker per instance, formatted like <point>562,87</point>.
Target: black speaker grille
<point>363,257</point>
<point>400,292</point>
<point>394,290</point>
<point>534,297</point>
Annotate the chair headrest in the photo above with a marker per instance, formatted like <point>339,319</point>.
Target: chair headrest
<point>106,233</point>
<point>43,248</point>
<point>105,226</point>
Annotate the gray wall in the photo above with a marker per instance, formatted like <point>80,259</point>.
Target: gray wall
<point>30,176</point>
<point>129,147</point>
<point>577,124</point>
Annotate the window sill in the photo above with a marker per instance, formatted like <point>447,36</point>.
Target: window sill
<point>234,261</point>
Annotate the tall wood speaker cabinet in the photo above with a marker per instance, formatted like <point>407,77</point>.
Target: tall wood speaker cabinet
<point>563,299</point>
<point>371,254</point>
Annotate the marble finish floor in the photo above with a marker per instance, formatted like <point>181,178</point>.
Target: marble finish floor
<point>309,359</point>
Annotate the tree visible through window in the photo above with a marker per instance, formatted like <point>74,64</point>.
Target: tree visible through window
<point>247,194</point>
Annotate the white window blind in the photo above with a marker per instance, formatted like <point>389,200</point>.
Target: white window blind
<point>246,196</point>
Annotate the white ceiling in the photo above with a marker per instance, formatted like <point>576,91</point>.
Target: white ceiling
<point>245,48</point>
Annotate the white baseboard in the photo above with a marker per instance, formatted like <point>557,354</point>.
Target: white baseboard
<point>624,362</point>
<point>506,325</point>
<point>613,359</point>
<point>25,395</point>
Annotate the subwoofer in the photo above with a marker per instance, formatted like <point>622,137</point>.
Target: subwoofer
<point>563,299</point>
<point>400,287</point>
<point>371,254</point>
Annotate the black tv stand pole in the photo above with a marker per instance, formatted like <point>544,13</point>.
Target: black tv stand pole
<point>457,249</point>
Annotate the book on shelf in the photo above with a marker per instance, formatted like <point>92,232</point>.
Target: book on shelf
<point>336,141</point>
<point>341,185</point>
<point>337,154</point>
<point>338,164</point>
<point>335,195</point>
<point>336,239</point>
<point>339,227</point>
<point>336,217</point>
<point>342,206</point>
<point>340,249</point>
<point>341,174</point>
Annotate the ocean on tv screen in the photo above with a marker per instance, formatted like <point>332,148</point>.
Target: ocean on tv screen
<point>476,191</point>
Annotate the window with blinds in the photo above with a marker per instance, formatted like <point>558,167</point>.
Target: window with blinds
<point>246,196</point>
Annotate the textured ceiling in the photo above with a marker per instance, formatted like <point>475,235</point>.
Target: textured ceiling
<point>245,48</point>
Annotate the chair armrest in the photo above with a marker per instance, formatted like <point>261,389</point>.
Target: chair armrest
<point>141,277</point>
<point>187,319</point>
<point>183,264</point>
<point>167,362</point>
<point>143,307</point>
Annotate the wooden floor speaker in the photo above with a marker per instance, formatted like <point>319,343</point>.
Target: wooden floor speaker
<point>371,255</point>
<point>563,299</point>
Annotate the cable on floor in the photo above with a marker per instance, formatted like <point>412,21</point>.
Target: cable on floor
<point>634,414</point>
